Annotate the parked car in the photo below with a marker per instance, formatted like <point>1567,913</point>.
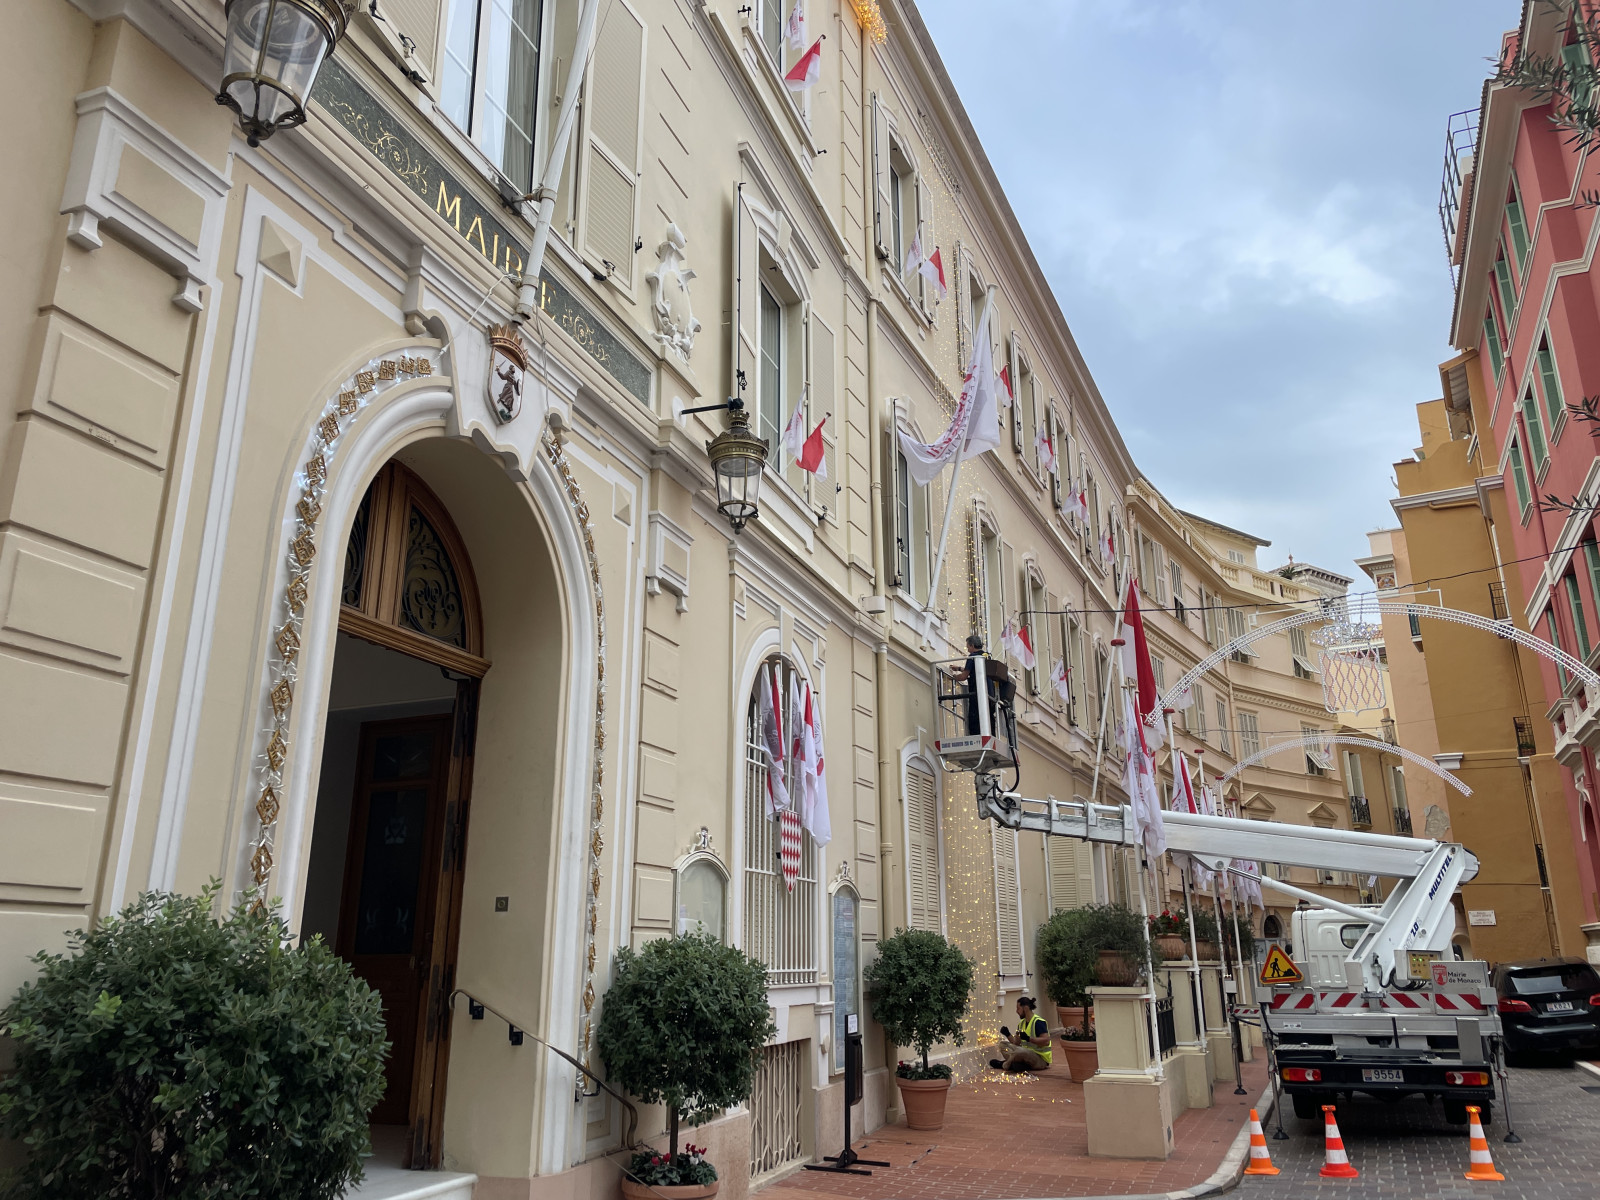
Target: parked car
<point>1548,1004</point>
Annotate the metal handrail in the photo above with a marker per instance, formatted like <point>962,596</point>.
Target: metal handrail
<point>476,1008</point>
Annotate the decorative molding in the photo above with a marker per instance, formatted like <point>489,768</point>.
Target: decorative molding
<point>106,186</point>
<point>660,574</point>
<point>676,325</point>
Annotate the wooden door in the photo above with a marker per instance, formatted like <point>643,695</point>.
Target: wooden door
<point>391,888</point>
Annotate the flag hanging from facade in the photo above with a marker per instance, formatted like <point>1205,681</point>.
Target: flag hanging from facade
<point>807,69</point>
<point>789,846</point>
<point>1139,780</point>
<point>974,428</point>
<point>1046,449</point>
<point>1005,396</point>
<point>813,454</point>
<point>1058,680</point>
<point>769,716</point>
<point>929,266</point>
<point>1083,502</point>
<point>813,772</point>
<point>1016,642</point>
<point>1136,663</point>
<point>794,433</point>
<point>796,28</point>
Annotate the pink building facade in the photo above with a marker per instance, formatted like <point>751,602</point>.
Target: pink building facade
<point>1522,240</point>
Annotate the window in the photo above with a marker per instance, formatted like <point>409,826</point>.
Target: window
<point>1075,676</point>
<point>1554,635</point>
<point>1025,411</point>
<point>1034,604</point>
<point>1580,627</point>
<point>1237,628</point>
<point>1158,668</point>
<point>1502,284</point>
<point>1580,71</point>
<point>1317,762</point>
<point>1069,873</point>
<point>1402,807</point>
<point>779,924</point>
<point>1491,338</point>
<point>923,885</point>
<point>772,29</point>
<point>1519,478</point>
<point>994,596</point>
<point>902,205</point>
<point>769,385</point>
<point>489,79</point>
<point>1224,742</point>
<point>1591,559</point>
<point>1093,528</point>
<point>1102,680</point>
<point>1007,899</point>
<point>1209,618</point>
<point>1301,654</point>
<point>1414,625</point>
<point>1550,384</point>
<point>1249,735</point>
<point>702,888</point>
<point>1354,784</point>
<point>1176,571</point>
<point>1194,719</point>
<point>1236,556</point>
<point>911,532</point>
<point>1535,426</point>
<point>1517,224</point>
<point>1149,568</point>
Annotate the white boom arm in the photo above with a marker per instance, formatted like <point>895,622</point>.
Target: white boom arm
<point>1418,915</point>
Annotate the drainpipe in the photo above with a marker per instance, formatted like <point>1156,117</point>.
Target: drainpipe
<point>545,193</point>
<point>888,782</point>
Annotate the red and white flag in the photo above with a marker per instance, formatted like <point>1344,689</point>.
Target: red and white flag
<point>1019,644</point>
<point>1183,797</point>
<point>769,714</point>
<point>807,69</point>
<point>974,428</point>
<point>813,454</point>
<point>1108,549</point>
<point>789,846</point>
<point>1006,395</point>
<point>1083,502</point>
<point>929,266</point>
<point>1046,450</point>
<point>1139,780</point>
<point>813,770</point>
<point>794,433</point>
<point>795,30</point>
<point>1058,680</point>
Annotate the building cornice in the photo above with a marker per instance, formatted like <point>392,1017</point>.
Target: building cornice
<point>1440,498</point>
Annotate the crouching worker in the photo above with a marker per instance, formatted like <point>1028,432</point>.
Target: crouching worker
<point>1028,1049</point>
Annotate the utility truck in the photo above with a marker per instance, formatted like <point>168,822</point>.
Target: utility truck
<point>1381,1007</point>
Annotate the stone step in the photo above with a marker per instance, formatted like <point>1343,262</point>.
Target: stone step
<point>393,1183</point>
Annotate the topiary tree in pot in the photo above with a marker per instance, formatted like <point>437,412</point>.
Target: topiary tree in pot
<point>1066,955</point>
<point>683,1024</point>
<point>1123,941</point>
<point>169,1053</point>
<point>920,985</point>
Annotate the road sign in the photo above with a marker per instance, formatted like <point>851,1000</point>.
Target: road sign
<point>1279,968</point>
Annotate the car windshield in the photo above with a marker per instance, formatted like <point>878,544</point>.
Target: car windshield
<point>1544,981</point>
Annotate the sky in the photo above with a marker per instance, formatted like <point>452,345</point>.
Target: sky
<point>1236,204</point>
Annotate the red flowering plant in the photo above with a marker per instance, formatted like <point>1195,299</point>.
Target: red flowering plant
<point>656,1169</point>
<point>1168,925</point>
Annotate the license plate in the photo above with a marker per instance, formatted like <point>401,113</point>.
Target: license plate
<point>1559,1006</point>
<point>1382,1075</point>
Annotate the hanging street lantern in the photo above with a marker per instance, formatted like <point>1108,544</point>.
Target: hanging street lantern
<point>273,52</point>
<point>737,459</point>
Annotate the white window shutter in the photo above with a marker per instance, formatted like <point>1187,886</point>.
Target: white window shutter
<point>925,291</point>
<point>882,205</point>
<point>820,344</point>
<point>922,851</point>
<point>1008,906</point>
<point>1017,399</point>
<point>743,285</point>
<point>1071,873</point>
<point>892,533</point>
<point>1056,439</point>
<point>613,107</point>
<point>962,291</point>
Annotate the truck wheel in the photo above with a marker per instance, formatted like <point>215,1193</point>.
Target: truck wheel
<point>1307,1108</point>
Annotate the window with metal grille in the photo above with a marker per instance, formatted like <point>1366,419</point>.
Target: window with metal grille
<point>776,1119</point>
<point>780,926</point>
<point>1523,726</point>
<point>1497,601</point>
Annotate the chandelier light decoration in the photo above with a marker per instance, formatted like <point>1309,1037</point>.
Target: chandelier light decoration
<point>870,19</point>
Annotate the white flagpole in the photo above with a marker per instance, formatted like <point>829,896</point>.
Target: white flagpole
<point>981,326</point>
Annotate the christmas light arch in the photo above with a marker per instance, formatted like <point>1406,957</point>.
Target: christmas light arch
<point>1312,740</point>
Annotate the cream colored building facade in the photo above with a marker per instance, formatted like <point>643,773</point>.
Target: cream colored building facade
<point>285,600</point>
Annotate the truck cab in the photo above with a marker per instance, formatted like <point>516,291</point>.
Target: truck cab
<point>1434,1031</point>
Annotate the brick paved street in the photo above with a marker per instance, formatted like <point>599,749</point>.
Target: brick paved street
<point>1407,1151</point>
<point>1021,1136</point>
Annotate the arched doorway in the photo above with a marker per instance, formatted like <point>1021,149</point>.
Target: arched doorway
<point>384,884</point>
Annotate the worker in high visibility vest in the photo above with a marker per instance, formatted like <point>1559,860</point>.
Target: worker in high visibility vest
<point>1028,1049</point>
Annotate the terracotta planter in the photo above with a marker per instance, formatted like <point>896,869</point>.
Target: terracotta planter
<point>675,1191</point>
<point>1112,970</point>
<point>1082,1058</point>
<point>1169,947</point>
<point>1072,1018</point>
<point>1208,951</point>
<point>923,1101</point>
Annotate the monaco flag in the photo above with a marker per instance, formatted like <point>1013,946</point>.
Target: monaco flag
<point>1058,679</point>
<point>1046,450</point>
<point>769,715</point>
<point>974,428</point>
<point>929,266</point>
<point>794,433</point>
<point>1020,644</point>
<point>813,454</point>
<point>1006,395</point>
<point>807,69</point>
<point>813,772</point>
<point>796,29</point>
<point>1083,503</point>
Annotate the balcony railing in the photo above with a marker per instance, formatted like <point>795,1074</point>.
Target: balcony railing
<point>1523,726</point>
<point>1402,821</point>
<point>1360,813</point>
<point>1460,140</point>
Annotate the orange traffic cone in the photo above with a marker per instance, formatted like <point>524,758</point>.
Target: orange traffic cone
<point>1260,1160</point>
<point>1336,1164</point>
<point>1480,1165</point>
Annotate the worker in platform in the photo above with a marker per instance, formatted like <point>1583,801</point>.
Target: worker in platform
<point>1028,1049</point>
<point>998,679</point>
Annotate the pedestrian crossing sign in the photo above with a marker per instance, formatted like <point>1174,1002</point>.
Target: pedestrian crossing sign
<point>1280,968</point>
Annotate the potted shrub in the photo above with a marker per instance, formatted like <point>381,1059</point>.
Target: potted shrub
<point>1169,937</point>
<point>1067,958</point>
<point>1122,944</point>
<point>683,1024</point>
<point>170,1052</point>
<point>919,985</point>
<point>1207,944</point>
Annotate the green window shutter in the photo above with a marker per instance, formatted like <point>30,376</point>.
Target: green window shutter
<point>1535,424</point>
<point>1519,226</point>
<point>1502,283</point>
<point>1519,477</point>
<point>1491,337</point>
<point>1580,627</point>
<point>1550,384</point>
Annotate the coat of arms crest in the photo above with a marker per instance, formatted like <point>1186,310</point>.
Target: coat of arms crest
<point>508,363</point>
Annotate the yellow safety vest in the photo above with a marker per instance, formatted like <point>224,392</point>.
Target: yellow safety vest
<point>1036,1027</point>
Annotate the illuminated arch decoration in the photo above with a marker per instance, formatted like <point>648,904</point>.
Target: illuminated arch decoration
<point>1312,740</point>
<point>1351,629</point>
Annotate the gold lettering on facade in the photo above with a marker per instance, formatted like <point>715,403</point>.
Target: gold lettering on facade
<point>386,369</point>
<point>365,381</point>
<point>447,208</point>
<point>476,228</point>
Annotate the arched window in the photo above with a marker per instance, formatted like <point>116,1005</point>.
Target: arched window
<point>780,925</point>
<point>1272,927</point>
